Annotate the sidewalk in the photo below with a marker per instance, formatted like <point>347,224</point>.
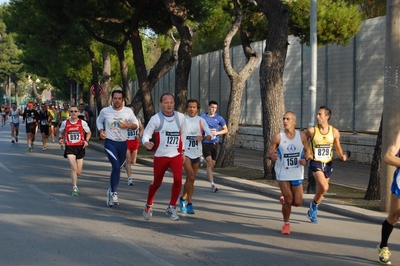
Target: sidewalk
<point>345,174</point>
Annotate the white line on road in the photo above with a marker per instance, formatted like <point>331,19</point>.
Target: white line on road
<point>46,195</point>
<point>5,168</point>
<point>145,253</point>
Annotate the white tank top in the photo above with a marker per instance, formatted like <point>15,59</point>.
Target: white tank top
<point>15,116</point>
<point>194,128</point>
<point>290,151</point>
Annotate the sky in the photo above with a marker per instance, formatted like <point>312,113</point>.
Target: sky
<point>3,1</point>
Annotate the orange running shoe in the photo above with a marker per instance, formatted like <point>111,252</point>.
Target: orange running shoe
<point>285,229</point>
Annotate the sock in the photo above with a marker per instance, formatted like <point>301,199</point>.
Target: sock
<point>212,184</point>
<point>189,204</point>
<point>171,206</point>
<point>387,229</point>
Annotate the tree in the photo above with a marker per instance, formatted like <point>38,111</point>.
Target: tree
<point>178,16</point>
<point>238,80</point>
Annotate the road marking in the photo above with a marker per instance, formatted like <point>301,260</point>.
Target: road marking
<point>5,168</point>
<point>145,253</point>
<point>46,195</point>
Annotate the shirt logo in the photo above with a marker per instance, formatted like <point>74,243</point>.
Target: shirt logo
<point>291,148</point>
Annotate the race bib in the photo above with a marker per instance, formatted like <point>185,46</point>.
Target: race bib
<point>191,143</point>
<point>132,134</point>
<point>29,120</point>
<point>322,152</point>
<point>43,122</point>
<point>171,139</point>
<point>291,160</point>
<point>74,137</point>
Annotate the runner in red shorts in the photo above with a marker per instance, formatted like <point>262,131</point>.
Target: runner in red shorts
<point>132,147</point>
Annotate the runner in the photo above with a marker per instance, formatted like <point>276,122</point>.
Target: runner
<point>54,122</point>
<point>63,115</point>
<point>45,118</point>
<point>289,151</point>
<point>169,128</point>
<point>15,113</point>
<point>195,126</point>
<point>132,143</point>
<point>322,139</point>
<point>113,123</point>
<point>30,117</point>
<point>72,132</point>
<point>3,114</point>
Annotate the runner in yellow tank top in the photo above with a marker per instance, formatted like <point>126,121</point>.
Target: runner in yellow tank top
<point>322,139</point>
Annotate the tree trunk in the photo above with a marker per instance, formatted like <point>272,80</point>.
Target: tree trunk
<point>144,93</point>
<point>124,73</point>
<point>36,93</point>
<point>373,190</point>
<point>94,99</point>
<point>271,73</point>
<point>104,99</point>
<point>238,80</point>
<point>146,83</point>
<point>178,16</point>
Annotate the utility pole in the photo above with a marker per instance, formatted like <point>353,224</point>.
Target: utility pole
<point>391,109</point>
<point>311,188</point>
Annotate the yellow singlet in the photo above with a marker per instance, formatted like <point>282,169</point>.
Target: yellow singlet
<point>321,145</point>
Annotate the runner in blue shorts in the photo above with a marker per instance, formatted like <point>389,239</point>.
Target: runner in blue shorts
<point>322,139</point>
<point>289,151</point>
<point>391,158</point>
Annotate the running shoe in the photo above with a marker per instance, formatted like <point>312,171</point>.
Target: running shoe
<point>16,139</point>
<point>383,255</point>
<point>115,198</point>
<point>282,200</point>
<point>110,201</point>
<point>190,209</point>
<point>30,148</point>
<point>44,148</point>
<point>171,212</point>
<point>285,229</point>
<point>13,140</point>
<point>75,191</point>
<point>214,188</point>
<point>182,205</point>
<point>312,213</point>
<point>62,147</point>
<point>201,161</point>
<point>147,213</point>
<point>130,181</point>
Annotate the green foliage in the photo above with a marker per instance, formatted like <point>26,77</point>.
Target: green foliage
<point>370,8</point>
<point>337,21</point>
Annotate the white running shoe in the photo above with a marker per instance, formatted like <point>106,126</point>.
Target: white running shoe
<point>75,191</point>
<point>115,198</point>
<point>110,201</point>
<point>130,181</point>
<point>147,213</point>
<point>171,212</point>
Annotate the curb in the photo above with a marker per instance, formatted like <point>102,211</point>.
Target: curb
<point>274,192</point>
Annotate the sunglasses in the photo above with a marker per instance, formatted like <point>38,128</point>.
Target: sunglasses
<point>73,111</point>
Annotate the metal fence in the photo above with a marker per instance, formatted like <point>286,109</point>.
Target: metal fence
<point>350,81</point>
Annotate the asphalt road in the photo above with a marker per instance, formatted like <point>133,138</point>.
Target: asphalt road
<point>42,224</point>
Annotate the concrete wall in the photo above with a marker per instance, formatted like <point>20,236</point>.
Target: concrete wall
<point>360,146</point>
